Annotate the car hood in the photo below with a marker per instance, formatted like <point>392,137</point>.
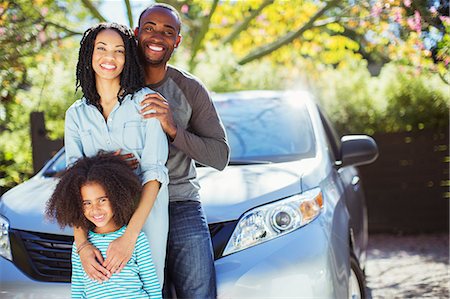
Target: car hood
<point>24,206</point>
<point>227,194</point>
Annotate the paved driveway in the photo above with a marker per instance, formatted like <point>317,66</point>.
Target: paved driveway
<point>408,266</point>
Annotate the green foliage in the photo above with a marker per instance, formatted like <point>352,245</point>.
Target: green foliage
<point>399,99</point>
<point>284,44</point>
<point>414,101</point>
<point>52,90</point>
<point>26,30</point>
<point>220,71</point>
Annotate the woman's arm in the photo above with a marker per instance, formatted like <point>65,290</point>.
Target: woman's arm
<point>72,141</point>
<point>120,250</point>
<point>90,257</point>
<point>153,174</point>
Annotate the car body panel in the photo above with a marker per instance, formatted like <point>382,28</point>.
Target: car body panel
<point>311,261</point>
<point>28,213</point>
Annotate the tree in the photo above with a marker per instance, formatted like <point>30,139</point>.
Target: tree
<point>230,44</point>
<point>328,31</point>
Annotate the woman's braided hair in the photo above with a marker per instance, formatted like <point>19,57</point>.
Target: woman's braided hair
<point>132,76</point>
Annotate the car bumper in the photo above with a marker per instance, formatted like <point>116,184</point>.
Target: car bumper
<point>15,284</point>
<point>307,263</point>
<point>301,264</point>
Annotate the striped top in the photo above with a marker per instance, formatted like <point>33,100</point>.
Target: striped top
<point>136,280</point>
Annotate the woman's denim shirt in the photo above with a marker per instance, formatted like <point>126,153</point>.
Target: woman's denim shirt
<point>87,132</point>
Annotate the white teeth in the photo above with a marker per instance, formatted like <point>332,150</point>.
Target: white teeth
<point>108,66</point>
<point>155,48</point>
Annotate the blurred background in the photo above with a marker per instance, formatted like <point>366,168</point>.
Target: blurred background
<point>378,67</point>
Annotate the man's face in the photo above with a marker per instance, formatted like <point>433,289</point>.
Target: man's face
<point>158,35</point>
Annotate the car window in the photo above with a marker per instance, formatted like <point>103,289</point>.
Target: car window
<point>266,130</point>
<point>56,165</point>
<point>259,130</point>
<point>331,136</point>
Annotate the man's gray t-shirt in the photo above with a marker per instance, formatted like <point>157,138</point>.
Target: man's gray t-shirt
<point>200,133</point>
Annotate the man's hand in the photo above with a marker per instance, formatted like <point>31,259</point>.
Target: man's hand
<point>91,259</point>
<point>129,158</point>
<point>155,105</point>
<point>119,253</point>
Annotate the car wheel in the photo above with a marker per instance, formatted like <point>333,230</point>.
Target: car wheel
<point>357,282</point>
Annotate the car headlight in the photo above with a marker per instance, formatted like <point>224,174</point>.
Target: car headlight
<point>272,220</point>
<point>5,246</point>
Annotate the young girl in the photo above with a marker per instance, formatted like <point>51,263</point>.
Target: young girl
<point>107,118</point>
<point>98,194</point>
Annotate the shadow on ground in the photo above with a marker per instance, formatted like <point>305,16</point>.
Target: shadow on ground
<point>408,266</point>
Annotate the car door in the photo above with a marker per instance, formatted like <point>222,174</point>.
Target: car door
<point>354,193</point>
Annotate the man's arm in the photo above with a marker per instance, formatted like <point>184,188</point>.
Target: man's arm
<point>205,139</point>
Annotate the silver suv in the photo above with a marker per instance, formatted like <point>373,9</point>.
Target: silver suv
<point>287,216</point>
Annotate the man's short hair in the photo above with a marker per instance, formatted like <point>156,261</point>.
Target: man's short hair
<point>161,5</point>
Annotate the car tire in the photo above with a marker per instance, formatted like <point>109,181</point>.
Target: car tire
<point>357,280</point>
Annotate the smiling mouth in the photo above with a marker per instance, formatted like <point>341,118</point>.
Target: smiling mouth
<point>108,66</point>
<point>98,218</point>
<point>155,48</point>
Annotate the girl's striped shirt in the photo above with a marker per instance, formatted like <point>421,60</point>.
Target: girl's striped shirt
<point>136,280</point>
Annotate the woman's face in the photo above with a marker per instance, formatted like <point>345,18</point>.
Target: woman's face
<point>108,58</point>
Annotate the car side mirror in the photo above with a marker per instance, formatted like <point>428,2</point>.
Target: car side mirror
<point>358,150</point>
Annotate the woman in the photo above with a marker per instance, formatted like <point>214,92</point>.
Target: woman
<point>107,118</point>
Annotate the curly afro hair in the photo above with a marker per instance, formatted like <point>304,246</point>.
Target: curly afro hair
<point>121,184</point>
<point>132,76</point>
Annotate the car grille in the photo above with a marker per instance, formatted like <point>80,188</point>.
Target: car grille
<point>47,257</point>
<point>44,257</point>
<point>220,234</point>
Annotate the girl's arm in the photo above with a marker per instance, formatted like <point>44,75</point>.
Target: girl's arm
<point>154,173</point>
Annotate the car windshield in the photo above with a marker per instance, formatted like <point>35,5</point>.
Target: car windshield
<point>259,129</point>
<point>266,129</point>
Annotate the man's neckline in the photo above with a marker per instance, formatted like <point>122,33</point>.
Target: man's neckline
<point>166,76</point>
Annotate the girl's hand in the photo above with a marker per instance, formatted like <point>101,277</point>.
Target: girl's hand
<point>91,259</point>
<point>119,253</point>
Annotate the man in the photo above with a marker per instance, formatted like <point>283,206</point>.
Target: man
<point>195,133</point>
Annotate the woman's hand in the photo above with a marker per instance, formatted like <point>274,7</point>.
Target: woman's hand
<point>119,253</point>
<point>91,259</point>
<point>129,158</point>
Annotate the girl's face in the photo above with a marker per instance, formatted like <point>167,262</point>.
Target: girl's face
<point>97,208</point>
<point>108,57</point>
